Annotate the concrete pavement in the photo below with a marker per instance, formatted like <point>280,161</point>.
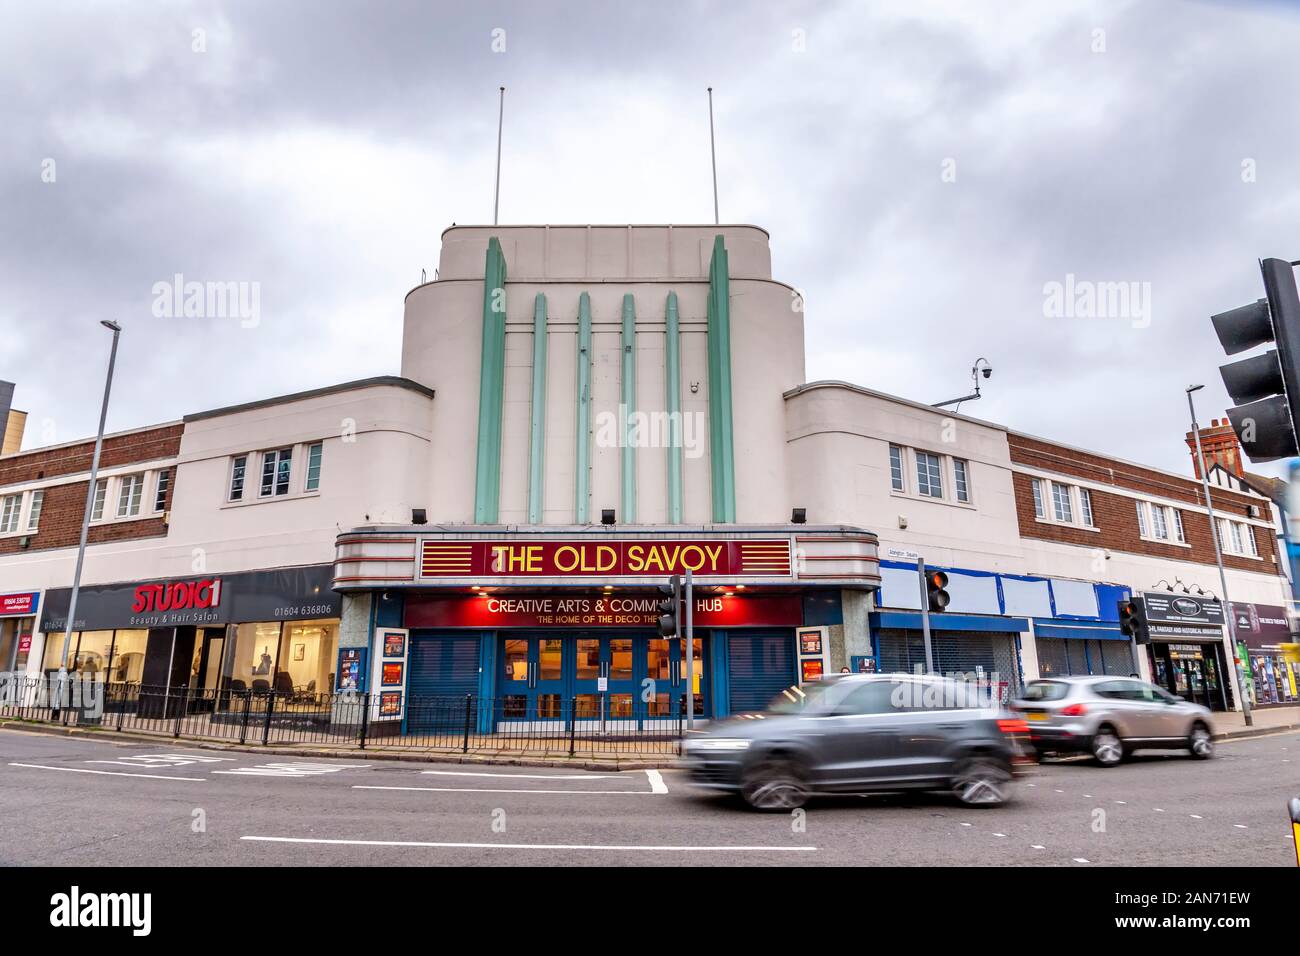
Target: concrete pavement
<point>94,802</point>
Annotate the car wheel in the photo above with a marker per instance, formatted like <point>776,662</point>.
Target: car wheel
<point>1107,748</point>
<point>1200,742</point>
<point>774,783</point>
<point>982,782</point>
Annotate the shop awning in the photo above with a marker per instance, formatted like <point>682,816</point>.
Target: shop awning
<point>1077,630</point>
<point>911,620</point>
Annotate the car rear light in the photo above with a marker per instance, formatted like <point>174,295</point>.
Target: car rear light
<point>1074,710</point>
<point>1013,726</point>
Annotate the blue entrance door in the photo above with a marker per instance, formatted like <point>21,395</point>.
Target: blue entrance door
<point>532,681</point>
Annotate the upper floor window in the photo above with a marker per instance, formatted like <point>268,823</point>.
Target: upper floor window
<point>101,492</point>
<point>34,513</point>
<point>1085,506</point>
<point>313,467</point>
<point>1179,534</point>
<point>928,480</point>
<point>237,469</point>
<point>160,492</point>
<point>896,467</point>
<point>129,491</point>
<point>9,509</point>
<point>960,481</point>
<point>1160,522</point>
<point>1236,537</point>
<point>277,466</point>
<point>1142,519</point>
<point>1061,503</point>
<point>1040,510</point>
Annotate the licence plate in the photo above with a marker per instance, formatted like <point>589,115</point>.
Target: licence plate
<point>1040,715</point>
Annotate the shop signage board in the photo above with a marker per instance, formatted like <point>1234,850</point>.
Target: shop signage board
<point>597,559</point>
<point>1183,615</point>
<point>283,594</point>
<point>1261,627</point>
<point>491,611</point>
<point>352,669</point>
<point>22,604</point>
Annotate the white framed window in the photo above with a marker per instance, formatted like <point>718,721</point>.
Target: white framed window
<point>1159,524</point>
<point>1179,535</point>
<point>1142,519</point>
<point>1040,509</point>
<point>277,467</point>
<point>896,467</point>
<point>160,489</point>
<point>313,467</point>
<point>1234,529</point>
<point>1251,547</point>
<point>34,513</point>
<point>1085,507</point>
<point>1061,506</point>
<point>928,477</point>
<point>130,488</point>
<point>238,467</point>
<point>101,492</point>
<point>961,479</point>
<point>9,509</point>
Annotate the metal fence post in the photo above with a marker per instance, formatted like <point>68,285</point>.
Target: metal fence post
<point>365,718</point>
<point>464,748</point>
<point>248,706</point>
<point>266,725</point>
<point>573,722</point>
<point>121,708</point>
<point>182,706</point>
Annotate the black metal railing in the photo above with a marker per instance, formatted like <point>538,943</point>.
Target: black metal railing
<point>583,724</point>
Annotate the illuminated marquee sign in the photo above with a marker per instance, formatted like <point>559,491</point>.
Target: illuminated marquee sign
<point>604,559</point>
<point>635,610</point>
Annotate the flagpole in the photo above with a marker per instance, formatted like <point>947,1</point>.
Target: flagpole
<point>713,155</point>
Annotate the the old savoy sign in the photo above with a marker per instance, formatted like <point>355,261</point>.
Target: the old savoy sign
<point>549,559</point>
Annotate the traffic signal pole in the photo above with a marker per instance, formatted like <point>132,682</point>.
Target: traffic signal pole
<point>925,614</point>
<point>1223,577</point>
<point>690,652</point>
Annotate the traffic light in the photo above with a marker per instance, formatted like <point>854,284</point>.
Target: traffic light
<point>935,583</point>
<point>1266,387</point>
<point>1133,620</point>
<point>669,606</point>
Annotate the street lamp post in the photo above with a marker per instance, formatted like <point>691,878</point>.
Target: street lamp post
<point>1218,559</point>
<point>85,518</point>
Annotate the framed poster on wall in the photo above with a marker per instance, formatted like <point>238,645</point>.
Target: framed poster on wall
<point>813,653</point>
<point>390,674</point>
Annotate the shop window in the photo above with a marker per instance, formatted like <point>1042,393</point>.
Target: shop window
<point>54,647</point>
<point>277,467</point>
<point>9,509</point>
<point>308,655</point>
<point>91,658</point>
<point>34,513</point>
<point>238,466</point>
<point>129,491</point>
<point>251,664</point>
<point>313,467</point>
<point>127,664</point>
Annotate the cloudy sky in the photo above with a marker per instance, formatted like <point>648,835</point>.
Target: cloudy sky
<point>926,171</point>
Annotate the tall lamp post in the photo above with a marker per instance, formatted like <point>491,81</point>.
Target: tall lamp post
<point>1218,559</point>
<point>85,518</point>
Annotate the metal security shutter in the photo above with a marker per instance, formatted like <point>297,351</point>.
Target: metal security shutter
<point>1078,662</point>
<point>1051,657</point>
<point>443,665</point>
<point>955,652</point>
<point>762,665</point>
<point>1116,658</point>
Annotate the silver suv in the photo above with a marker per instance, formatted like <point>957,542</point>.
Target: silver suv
<point>1110,717</point>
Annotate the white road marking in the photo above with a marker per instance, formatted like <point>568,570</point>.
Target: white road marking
<point>519,776</point>
<point>656,779</point>
<point>1037,846</point>
<point>538,846</point>
<point>1079,859</point>
<point>571,793</point>
<point>968,824</point>
<point>107,773</point>
<point>1060,791</point>
<point>1196,816</point>
<point>1240,826</point>
<point>1157,809</point>
<point>162,760</point>
<point>999,834</point>
<point>291,770</point>
<point>1088,795</point>
<point>1122,802</point>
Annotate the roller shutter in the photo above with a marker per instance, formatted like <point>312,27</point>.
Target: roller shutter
<point>443,669</point>
<point>762,665</point>
<point>955,652</point>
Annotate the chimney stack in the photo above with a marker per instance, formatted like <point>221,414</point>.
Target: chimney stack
<point>1219,443</point>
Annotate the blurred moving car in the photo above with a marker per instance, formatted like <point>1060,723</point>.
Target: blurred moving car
<point>865,733</point>
<point>1110,717</point>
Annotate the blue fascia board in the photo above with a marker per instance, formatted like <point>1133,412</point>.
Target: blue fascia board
<point>911,620</point>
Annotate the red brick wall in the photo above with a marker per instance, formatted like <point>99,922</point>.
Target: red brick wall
<point>1116,515</point>
<point>64,505</point>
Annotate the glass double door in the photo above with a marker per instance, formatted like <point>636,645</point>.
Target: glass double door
<point>624,678</point>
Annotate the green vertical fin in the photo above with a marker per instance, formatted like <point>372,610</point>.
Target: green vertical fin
<point>537,436</point>
<point>628,379</point>
<point>721,445</point>
<point>673,405</point>
<point>582,438</point>
<point>491,388</point>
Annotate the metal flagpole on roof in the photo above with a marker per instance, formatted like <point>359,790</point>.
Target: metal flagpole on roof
<point>713,155</point>
<point>501,115</point>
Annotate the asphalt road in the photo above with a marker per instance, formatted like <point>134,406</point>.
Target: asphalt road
<point>71,801</point>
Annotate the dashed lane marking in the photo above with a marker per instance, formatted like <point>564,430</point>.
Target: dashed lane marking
<point>571,793</point>
<point>1079,859</point>
<point>656,779</point>
<point>539,846</point>
<point>1037,846</point>
<point>519,776</point>
<point>106,773</point>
